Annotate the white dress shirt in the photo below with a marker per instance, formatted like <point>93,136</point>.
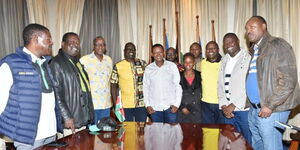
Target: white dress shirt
<point>163,136</point>
<point>47,123</point>
<point>161,86</point>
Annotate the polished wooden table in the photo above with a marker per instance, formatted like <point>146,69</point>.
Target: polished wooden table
<point>157,136</point>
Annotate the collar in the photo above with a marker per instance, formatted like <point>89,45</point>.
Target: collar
<point>93,55</point>
<point>257,44</point>
<point>33,57</point>
<point>74,59</point>
<point>236,56</point>
<point>165,61</point>
<point>217,60</point>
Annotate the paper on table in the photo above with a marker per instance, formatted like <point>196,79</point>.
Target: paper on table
<point>288,126</point>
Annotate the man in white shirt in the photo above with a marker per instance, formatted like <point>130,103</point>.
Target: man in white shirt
<point>163,136</point>
<point>28,111</point>
<point>231,85</point>
<point>162,91</point>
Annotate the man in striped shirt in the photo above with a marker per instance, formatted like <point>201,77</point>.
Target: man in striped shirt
<point>231,85</point>
<point>272,85</point>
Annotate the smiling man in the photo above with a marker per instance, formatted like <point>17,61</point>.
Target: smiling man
<point>71,82</point>
<point>29,113</point>
<point>162,90</point>
<point>99,68</point>
<point>127,76</point>
<point>210,71</point>
<point>231,85</point>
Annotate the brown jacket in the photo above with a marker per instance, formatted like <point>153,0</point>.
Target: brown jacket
<point>277,74</point>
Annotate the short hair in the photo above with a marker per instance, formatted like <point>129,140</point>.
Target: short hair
<point>67,35</point>
<point>260,19</point>
<point>188,55</point>
<point>127,44</point>
<point>175,50</point>
<point>98,37</point>
<point>157,45</point>
<point>212,42</point>
<point>32,30</point>
<point>230,35</point>
<point>196,43</point>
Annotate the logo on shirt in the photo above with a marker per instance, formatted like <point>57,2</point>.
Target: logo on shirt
<point>25,73</point>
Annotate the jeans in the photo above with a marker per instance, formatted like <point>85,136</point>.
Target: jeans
<point>165,116</point>
<point>135,114</point>
<point>101,113</point>
<point>266,133</point>
<point>240,123</point>
<point>37,143</point>
<point>211,114</point>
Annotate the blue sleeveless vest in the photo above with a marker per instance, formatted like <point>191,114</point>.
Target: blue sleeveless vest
<point>20,118</point>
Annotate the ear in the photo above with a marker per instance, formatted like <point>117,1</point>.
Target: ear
<point>264,27</point>
<point>62,44</point>
<point>34,39</point>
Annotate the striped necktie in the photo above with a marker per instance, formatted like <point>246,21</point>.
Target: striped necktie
<point>40,63</point>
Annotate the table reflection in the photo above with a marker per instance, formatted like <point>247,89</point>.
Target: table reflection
<point>163,136</point>
<point>228,139</point>
<point>158,136</point>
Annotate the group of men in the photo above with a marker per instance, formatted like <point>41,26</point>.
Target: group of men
<point>41,95</point>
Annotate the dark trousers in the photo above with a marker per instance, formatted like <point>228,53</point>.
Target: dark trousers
<point>211,114</point>
<point>138,114</point>
<point>165,116</point>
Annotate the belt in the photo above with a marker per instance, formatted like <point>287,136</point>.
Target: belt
<point>256,106</point>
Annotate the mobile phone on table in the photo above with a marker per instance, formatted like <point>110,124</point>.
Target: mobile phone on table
<point>57,144</point>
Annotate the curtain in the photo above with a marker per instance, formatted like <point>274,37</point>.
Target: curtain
<point>152,13</point>
<point>242,13</point>
<point>207,10</point>
<point>52,21</point>
<point>127,15</point>
<point>294,32</point>
<point>100,18</point>
<point>136,16</point>
<point>13,19</point>
<point>69,17</point>
<point>275,12</point>
<point>38,12</point>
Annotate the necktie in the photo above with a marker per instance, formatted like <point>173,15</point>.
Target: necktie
<point>39,62</point>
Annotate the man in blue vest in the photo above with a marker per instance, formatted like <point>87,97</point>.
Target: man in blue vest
<point>28,110</point>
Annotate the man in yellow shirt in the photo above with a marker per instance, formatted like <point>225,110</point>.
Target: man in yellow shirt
<point>127,76</point>
<point>210,112</point>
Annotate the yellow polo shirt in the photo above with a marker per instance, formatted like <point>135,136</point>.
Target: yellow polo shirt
<point>210,74</point>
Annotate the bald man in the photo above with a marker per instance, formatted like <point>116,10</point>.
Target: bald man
<point>272,85</point>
